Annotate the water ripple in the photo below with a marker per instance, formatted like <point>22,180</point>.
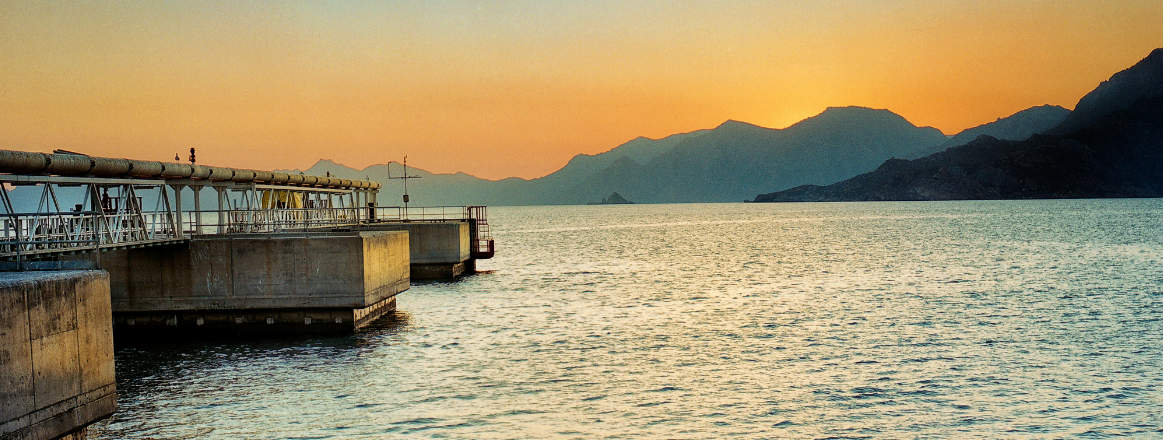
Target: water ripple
<point>853,320</point>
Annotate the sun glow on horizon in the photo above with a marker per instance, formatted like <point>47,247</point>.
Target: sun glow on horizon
<point>499,89</point>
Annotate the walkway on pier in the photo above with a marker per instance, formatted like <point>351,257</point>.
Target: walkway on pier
<point>87,203</point>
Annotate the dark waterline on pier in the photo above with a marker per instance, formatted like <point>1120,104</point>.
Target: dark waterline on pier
<point>997,318</point>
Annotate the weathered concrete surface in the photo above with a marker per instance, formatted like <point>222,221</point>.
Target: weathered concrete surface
<point>256,321</point>
<point>304,280</point>
<point>438,250</point>
<point>440,271</point>
<point>56,353</point>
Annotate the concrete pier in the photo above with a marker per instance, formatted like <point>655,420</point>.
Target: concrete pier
<point>56,353</point>
<point>294,282</point>
<point>438,250</point>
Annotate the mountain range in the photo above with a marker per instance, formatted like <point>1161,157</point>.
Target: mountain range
<point>720,164</point>
<point>1110,145</point>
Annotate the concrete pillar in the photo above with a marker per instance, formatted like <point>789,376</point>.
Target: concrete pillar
<point>56,353</point>
<point>438,250</point>
<point>294,282</point>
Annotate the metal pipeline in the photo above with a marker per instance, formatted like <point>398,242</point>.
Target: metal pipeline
<point>80,165</point>
<point>221,173</point>
<point>69,164</point>
<point>23,161</point>
<point>110,167</point>
<point>177,171</point>
<point>200,172</point>
<point>240,175</point>
<point>138,168</point>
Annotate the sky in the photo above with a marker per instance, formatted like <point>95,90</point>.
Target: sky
<point>516,88</point>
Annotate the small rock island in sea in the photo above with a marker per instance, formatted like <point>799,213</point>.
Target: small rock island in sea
<point>613,199</point>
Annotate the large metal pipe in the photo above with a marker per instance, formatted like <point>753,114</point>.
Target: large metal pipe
<point>109,167</point>
<point>176,171</point>
<point>263,176</point>
<point>221,173</point>
<point>241,175</point>
<point>69,164</point>
<point>139,168</point>
<point>23,161</point>
<point>200,172</point>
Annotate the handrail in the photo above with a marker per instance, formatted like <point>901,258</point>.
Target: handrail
<point>46,232</point>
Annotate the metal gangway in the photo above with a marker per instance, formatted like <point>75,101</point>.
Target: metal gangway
<point>86,203</point>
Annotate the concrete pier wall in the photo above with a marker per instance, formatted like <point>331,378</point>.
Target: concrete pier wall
<point>302,281</point>
<point>56,353</point>
<point>438,250</point>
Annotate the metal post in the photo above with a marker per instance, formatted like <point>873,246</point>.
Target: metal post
<point>178,210</point>
<point>353,204</point>
<point>360,204</point>
<point>371,214</point>
<point>196,189</point>
<point>221,198</point>
<point>19,247</point>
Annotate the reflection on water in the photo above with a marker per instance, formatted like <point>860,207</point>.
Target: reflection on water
<point>1001,319</point>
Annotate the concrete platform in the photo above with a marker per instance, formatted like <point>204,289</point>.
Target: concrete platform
<point>56,353</point>
<point>250,321</point>
<point>438,250</point>
<point>302,282</point>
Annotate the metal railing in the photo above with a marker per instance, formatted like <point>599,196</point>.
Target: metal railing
<point>420,213</point>
<point>39,233</point>
<point>301,219</point>
<point>31,234</point>
<point>482,244</point>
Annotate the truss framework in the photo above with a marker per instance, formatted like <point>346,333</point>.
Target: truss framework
<point>84,214</point>
<point>110,212</point>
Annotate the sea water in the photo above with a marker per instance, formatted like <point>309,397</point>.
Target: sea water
<point>810,320</point>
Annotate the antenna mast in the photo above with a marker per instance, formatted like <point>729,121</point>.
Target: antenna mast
<point>404,177</point>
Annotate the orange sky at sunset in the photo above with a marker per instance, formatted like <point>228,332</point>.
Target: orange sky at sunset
<point>502,89</point>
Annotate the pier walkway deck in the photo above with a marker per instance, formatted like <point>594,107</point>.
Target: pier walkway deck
<point>86,203</point>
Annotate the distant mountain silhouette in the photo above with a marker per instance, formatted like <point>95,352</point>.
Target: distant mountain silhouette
<point>1110,145</point>
<point>724,163</point>
<point>735,158</point>
<point>1017,127</point>
<point>718,164</point>
<point>431,190</point>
